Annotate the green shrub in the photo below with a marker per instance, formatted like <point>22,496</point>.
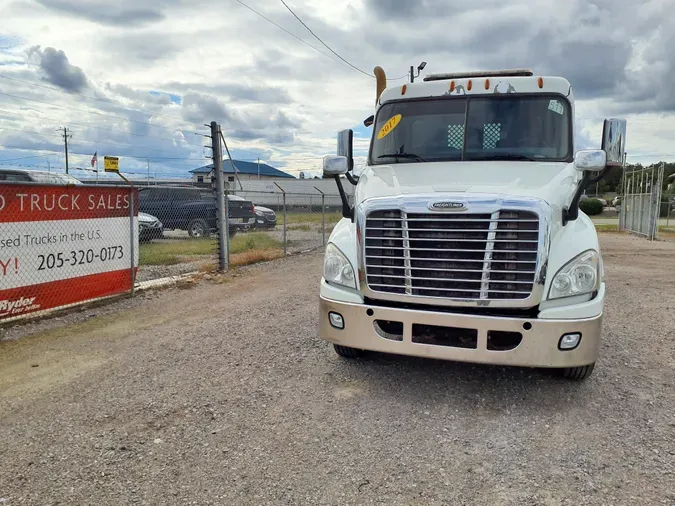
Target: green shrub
<point>591,206</point>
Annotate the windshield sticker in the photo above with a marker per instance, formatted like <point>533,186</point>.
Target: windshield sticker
<point>503,87</point>
<point>388,126</point>
<point>556,106</point>
<point>459,90</point>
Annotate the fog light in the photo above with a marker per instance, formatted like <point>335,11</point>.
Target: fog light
<point>336,320</point>
<point>569,341</point>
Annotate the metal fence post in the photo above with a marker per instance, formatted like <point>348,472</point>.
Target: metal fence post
<point>283,194</point>
<point>284,197</point>
<point>221,211</point>
<point>323,216</point>
<point>227,229</point>
<point>132,246</point>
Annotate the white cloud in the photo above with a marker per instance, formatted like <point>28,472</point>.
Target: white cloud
<point>283,101</point>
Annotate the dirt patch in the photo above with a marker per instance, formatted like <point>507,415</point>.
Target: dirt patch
<point>223,394</point>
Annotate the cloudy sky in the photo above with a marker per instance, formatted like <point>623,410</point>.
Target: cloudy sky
<point>140,78</point>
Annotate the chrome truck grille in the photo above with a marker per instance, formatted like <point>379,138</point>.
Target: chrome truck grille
<point>484,257</point>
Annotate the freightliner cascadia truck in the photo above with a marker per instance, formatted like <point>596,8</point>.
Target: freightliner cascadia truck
<point>464,240</point>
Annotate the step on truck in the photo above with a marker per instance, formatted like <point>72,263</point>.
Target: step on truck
<point>465,240</point>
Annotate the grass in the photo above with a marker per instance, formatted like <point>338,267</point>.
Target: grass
<point>292,218</point>
<point>253,241</point>
<point>255,256</point>
<point>668,231</point>
<point>303,226</point>
<point>244,249</point>
<point>607,228</point>
<point>170,252</point>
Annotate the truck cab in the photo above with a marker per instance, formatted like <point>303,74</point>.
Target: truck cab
<point>465,241</point>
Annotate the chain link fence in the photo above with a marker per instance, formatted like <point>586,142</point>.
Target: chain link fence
<point>63,245</point>
<point>641,206</point>
<point>177,231</point>
<point>179,227</point>
<point>290,222</point>
<point>181,231</point>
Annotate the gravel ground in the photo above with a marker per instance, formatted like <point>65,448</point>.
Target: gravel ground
<point>222,394</point>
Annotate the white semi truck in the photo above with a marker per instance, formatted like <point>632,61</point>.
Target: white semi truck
<point>465,241</point>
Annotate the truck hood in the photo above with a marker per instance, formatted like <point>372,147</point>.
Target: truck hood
<point>553,182</point>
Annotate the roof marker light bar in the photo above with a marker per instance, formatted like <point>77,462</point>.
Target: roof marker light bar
<point>480,73</point>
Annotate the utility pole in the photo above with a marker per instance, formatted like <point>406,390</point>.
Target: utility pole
<point>221,203</point>
<point>66,136</point>
<point>148,172</point>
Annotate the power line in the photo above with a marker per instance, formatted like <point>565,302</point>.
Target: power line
<point>87,125</point>
<point>136,157</point>
<point>153,157</point>
<point>288,32</point>
<point>90,112</point>
<point>322,42</point>
<point>23,158</point>
<point>307,43</point>
<point>96,142</point>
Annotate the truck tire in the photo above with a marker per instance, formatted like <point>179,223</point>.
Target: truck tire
<point>578,373</point>
<point>345,351</point>
<point>198,228</point>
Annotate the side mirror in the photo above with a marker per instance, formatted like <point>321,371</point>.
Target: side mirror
<point>369,120</point>
<point>335,165</point>
<point>614,141</point>
<point>590,160</point>
<point>345,146</point>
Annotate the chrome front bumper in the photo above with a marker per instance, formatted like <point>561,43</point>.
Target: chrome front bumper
<point>538,347</point>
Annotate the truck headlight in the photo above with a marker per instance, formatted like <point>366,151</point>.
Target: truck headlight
<point>337,269</point>
<point>579,276</point>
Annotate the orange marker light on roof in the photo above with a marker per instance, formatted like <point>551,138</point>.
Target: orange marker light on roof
<point>487,84</point>
<point>403,88</point>
<point>452,86</point>
<point>540,82</point>
<point>468,86</point>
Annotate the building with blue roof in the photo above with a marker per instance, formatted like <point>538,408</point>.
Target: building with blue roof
<point>245,171</point>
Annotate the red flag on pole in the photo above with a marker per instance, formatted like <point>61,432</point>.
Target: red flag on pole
<point>94,158</point>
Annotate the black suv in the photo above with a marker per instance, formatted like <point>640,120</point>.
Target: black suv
<point>192,209</point>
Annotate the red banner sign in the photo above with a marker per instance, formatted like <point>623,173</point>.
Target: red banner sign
<point>60,245</point>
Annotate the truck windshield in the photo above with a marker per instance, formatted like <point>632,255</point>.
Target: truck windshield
<point>473,128</point>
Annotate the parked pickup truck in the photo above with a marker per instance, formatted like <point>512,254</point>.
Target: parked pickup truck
<point>193,210</point>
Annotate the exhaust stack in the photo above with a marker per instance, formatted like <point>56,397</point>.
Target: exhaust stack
<point>381,82</point>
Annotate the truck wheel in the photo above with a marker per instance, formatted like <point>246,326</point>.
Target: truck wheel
<point>578,373</point>
<point>345,351</point>
<point>198,228</point>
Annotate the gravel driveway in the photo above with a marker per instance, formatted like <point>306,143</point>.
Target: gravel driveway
<point>222,394</point>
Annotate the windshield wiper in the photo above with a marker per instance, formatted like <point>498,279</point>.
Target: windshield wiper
<point>410,156</point>
<point>504,156</point>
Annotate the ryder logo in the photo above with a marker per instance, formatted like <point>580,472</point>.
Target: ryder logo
<point>17,306</point>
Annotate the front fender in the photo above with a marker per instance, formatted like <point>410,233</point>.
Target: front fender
<point>571,240</point>
<point>344,237</point>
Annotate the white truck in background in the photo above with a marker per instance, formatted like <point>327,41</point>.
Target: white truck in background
<point>465,241</point>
